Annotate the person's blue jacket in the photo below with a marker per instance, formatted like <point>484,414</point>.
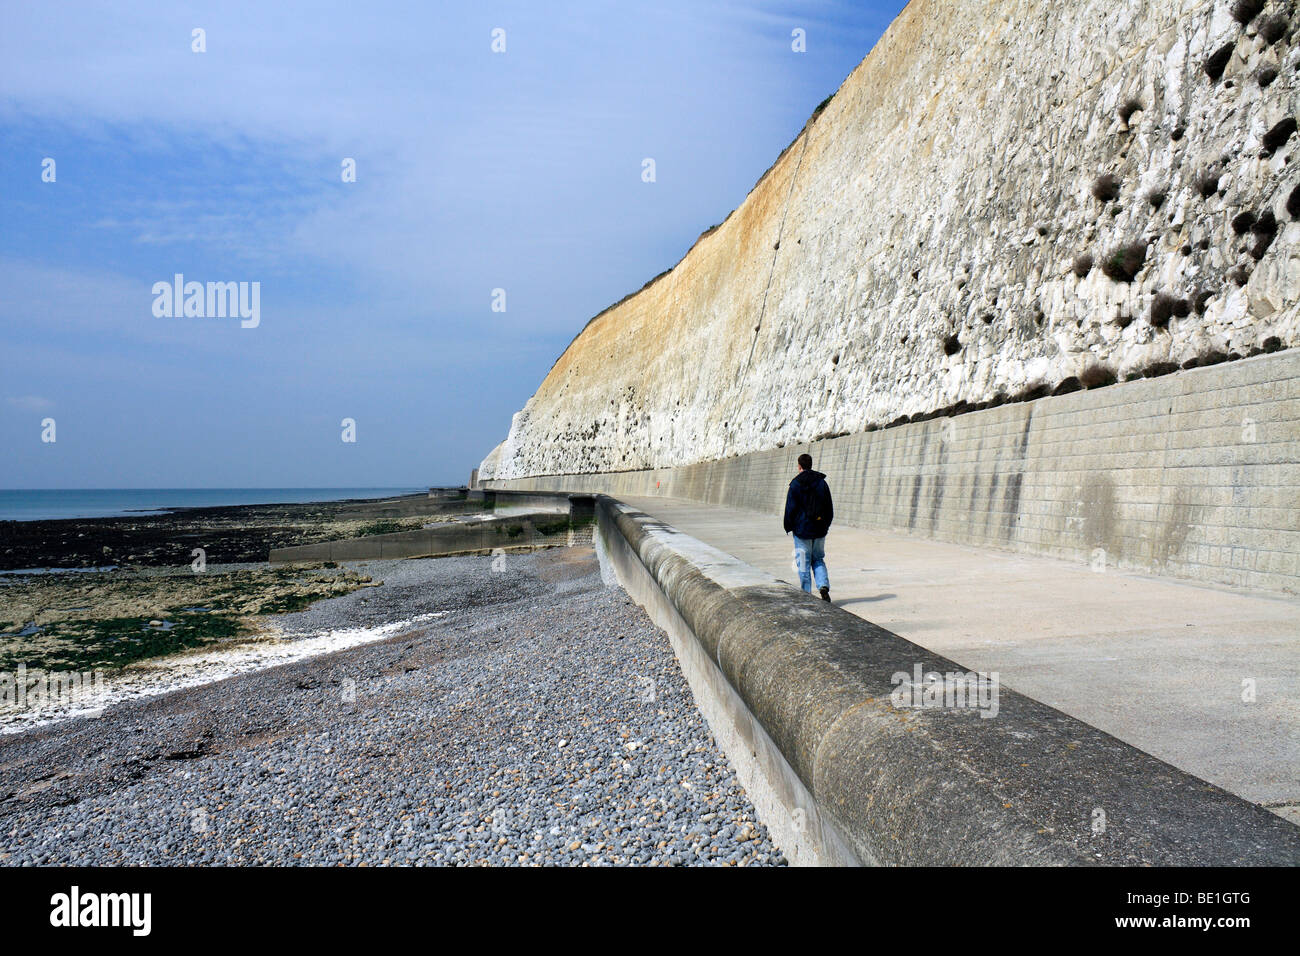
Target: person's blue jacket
<point>808,509</point>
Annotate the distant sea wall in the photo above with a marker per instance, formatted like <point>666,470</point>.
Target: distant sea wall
<point>1194,474</point>
<point>1006,198</point>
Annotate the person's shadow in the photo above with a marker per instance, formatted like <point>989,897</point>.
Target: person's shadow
<point>864,600</point>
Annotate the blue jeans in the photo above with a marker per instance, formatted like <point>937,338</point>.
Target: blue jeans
<point>810,552</point>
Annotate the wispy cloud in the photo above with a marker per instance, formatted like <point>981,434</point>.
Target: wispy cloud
<point>475,171</point>
<point>30,403</point>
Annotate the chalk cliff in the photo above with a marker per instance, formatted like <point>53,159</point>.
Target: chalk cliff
<point>1005,197</point>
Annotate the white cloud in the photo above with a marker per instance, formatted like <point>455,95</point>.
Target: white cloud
<point>474,171</point>
<point>30,403</point>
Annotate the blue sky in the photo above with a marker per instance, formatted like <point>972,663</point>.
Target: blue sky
<point>475,171</point>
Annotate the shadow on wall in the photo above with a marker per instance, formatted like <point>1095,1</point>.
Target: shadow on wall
<point>1099,514</point>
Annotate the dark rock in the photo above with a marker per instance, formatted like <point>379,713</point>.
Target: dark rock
<point>1218,61</point>
<point>1277,136</point>
<point>1272,29</point>
<point>1243,11</point>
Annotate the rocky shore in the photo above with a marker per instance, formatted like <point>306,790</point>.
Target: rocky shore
<point>526,714</point>
<point>233,534</point>
<point>83,594</point>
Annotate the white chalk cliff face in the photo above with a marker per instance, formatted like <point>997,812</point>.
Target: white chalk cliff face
<point>1004,194</point>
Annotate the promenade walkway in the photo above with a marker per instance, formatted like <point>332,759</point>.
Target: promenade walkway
<point>1162,664</point>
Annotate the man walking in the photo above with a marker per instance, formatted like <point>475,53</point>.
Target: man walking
<point>808,514</point>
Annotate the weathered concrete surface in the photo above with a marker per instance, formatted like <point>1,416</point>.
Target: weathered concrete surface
<point>1159,664</point>
<point>1194,474</point>
<point>936,786</point>
<point>505,503</point>
<point>783,802</point>
<point>916,245</point>
<point>435,501</point>
<point>512,532</point>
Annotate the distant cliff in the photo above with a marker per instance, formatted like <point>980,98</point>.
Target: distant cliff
<point>1006,197</point>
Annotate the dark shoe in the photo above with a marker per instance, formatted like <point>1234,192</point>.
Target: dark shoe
<point>826,594</point>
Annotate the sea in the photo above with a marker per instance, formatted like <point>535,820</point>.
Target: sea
<point>27,504</point>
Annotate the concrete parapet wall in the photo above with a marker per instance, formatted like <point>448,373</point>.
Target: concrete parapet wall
<point>408,506</point>
<point>523,531</point>
<point>1194,475</point>
<point>522,502</point>
<point>798,693</point>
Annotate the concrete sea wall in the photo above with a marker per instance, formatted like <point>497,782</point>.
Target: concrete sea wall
<point>800,695</point>
<point>523,522</point>
<point>1194,474</point>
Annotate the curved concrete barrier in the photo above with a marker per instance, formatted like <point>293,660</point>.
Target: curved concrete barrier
<point>853,754</point>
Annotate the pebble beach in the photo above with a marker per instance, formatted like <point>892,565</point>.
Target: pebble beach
<point>510,713</point>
